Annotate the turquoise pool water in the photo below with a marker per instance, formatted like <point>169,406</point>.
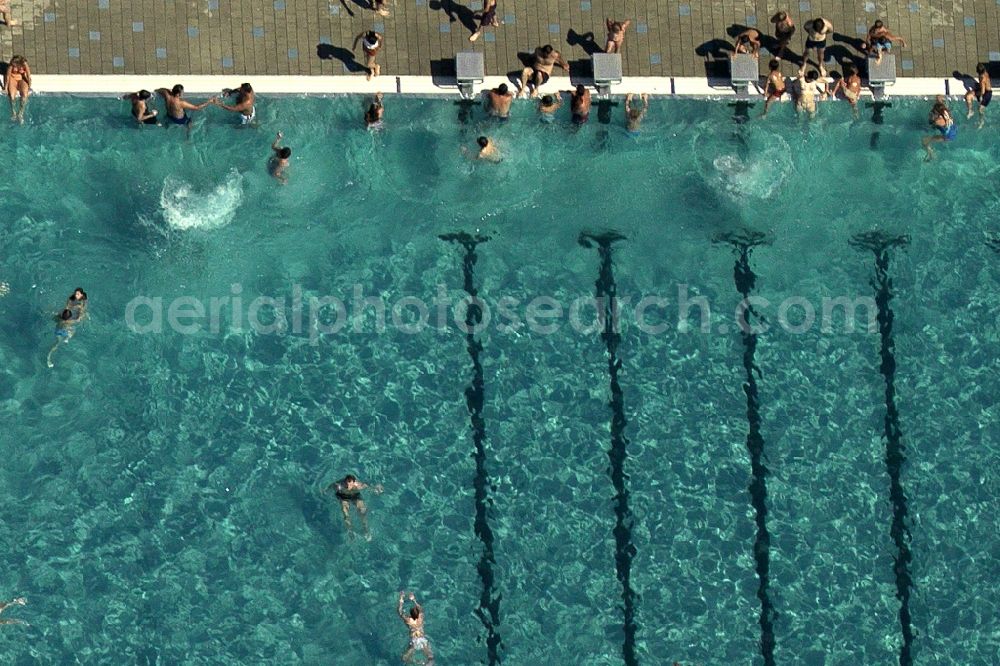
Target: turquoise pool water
<point>160,497</point>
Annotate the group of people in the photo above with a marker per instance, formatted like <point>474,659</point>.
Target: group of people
<point>348,493</point>
<point>177,106</point>
<point>72,314</point>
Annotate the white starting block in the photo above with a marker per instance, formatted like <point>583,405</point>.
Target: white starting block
<point>742,72</point>
<point>607,71</point>
<point>881,74</point>
<point>470,69</point>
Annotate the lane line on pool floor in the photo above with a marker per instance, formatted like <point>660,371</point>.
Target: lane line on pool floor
<point>895,450</point>
<point>745,280</point>
<point>607,302</point>
<point>489,601</point>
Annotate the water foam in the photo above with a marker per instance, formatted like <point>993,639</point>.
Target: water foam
<point>186,208</point>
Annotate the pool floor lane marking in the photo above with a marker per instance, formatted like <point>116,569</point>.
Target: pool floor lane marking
<point>745,280</point>
<point>607,299</point>
<point>895,450</point>
<point>489,601</point>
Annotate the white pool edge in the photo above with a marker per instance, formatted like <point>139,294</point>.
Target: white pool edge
<point>105,85</point>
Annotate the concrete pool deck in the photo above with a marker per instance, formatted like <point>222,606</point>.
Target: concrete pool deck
<point>250,39</point>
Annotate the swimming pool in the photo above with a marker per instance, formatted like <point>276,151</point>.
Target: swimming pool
<point>161,496</point>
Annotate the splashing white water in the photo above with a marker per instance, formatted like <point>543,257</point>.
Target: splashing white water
<point>185,208</point>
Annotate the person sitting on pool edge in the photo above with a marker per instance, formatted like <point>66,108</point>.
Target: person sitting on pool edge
<point>580,104</point>
<point>177,106</point>
<point>414,621</point>
<point>279,160</point>
<point>498,101</point>
<point>348,491</point>
<point>983,91</point>
<point>373,116</point>
<point>544,60</point>
<point>246,99</point>
<point>140,111</point>
<point>880,40</point>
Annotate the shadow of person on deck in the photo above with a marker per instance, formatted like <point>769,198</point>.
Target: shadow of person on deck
<point>346,56</point>
<point>585,41</point>
<point>456,12</point>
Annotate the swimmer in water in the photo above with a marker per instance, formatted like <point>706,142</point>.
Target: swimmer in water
<point>498,101</point>
<point>140,108</point>
<point>65,328</point>
<point>77,302</point>
<point>635,114</point>
<point>246,100</point>
<point>580,104</point>
<point>941,120</point>
<point>348,491</point>
<point>775,86</point>
<point>414,621</point>
<point>547,107</point>
<point>487,150</point>
<point>177,106</point>
<point>373,116</point>
<point>850,85</point>
<point>20,601</point>
<point>279,160</point>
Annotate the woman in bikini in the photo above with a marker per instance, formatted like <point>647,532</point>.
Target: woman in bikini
<point>18,83</point>
<point>371,43</point>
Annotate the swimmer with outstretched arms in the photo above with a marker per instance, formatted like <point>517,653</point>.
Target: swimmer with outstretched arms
<point>414,621</point>
<point>348,491</point>
<point>245,105</point>
<point>4,605</point>
<point>177,106</point>
<point>374,113</point>
<point>634,114</point>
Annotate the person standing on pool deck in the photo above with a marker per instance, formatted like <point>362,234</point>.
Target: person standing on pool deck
<point>5,14</point>
<point>279,160</point>
<point>348,491</point>
<point>579,104</point>
<point>4,605</point>
<point>498,101</point>
<point>616,35</point>
<point>545,59</point>
<point>18,84</point>
<point>982,92</point>
<point>634,114</point>
<point>373,116</point>
<point>245,104</point>
<point>140,111</point>
<point>177,106</point>
<point>414,621</point>
<point>775,86</point>
<point>784,28</point>
<point>487,19</point>
<point>942,121</point>
<point>371,43</point>
<point>817,31</point>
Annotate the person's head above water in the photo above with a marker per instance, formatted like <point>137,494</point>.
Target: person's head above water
<point>483,141</point>
<point>143,94</point>
<point>177,90</point>
<point>246,87</point>
<point>503,89</point>
<point>285,153</point>
<point>66,314</point>
<point>350,478</point>
<point>415,613</point>
<point>548,100</point>
<point>980,68</point>
<point>78,293</point>
<point>581,89</point>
